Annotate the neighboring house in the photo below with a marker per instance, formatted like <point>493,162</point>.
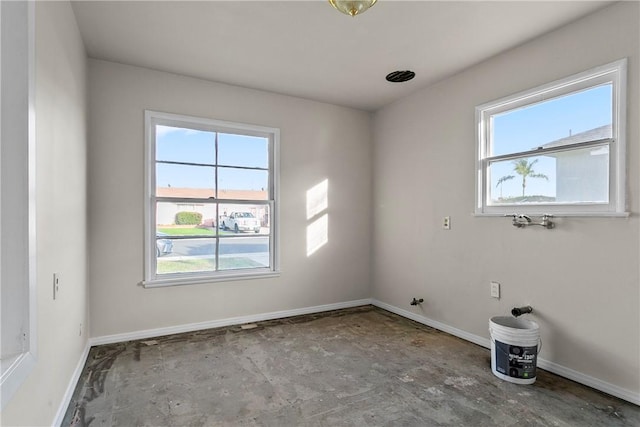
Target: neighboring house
<point>166,212</point>
<point>582,175</point>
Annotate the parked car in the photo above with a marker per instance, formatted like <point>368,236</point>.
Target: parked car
<point>163,246</point>
<point>240,221</point>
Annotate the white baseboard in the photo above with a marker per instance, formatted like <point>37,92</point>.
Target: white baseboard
<point>68,394</point>
<point>190,327</point>
<point>590,381</point>
<point>555,368</point>
<point>484,342</point>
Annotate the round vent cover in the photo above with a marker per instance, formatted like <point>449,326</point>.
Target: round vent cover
<point>400,76</point>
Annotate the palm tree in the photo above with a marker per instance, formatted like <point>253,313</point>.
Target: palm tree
<point>524,168</point>
<point>503,179</point>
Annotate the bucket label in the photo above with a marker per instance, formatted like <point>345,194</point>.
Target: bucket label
<point>516,361</point>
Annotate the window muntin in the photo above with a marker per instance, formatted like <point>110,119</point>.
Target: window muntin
<point>555,149</point>
<point>211,200</point>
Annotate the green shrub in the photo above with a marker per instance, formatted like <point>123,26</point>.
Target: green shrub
<point>188,218</point>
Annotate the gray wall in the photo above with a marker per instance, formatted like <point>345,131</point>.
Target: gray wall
<point>318,141</point>
<point>581,278</point>
<point>61,214</point>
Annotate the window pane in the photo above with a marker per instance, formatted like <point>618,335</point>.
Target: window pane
<point>245,184</point>
<point>185,255</point>
<point>583,175</point>
<point>186,219</point>
<point>572,176</point>
<point>527,180</point>
<point>578,117</point>
<point>185,181</point>
<point>244,252</point>
<point>185,145</point>
<point>242,150</point>
<point>176,252</point>
<point>242,218</point>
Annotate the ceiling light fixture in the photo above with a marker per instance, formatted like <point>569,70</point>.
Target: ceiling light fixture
<point>352,8</point>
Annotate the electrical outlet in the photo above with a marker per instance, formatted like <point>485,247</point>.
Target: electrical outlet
<point>495,290</point>
<point>80,329</point>
<point>56,285</point>
<point>446,223</point>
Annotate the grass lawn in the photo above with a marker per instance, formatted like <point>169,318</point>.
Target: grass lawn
<point>203,264</point>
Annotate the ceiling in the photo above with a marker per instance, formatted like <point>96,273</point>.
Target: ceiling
<point>310,50</point>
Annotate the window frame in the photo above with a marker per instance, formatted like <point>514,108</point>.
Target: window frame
<point>16,370</point>
<point>151,278</point>
<point>614,73</point>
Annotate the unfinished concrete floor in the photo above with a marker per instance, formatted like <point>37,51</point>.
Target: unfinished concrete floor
<point>355,367</point>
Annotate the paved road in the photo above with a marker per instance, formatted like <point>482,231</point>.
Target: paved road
<point>235,245</point>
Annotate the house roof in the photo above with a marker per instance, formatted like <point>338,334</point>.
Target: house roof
<point>208,193</point>
<point>594,134</point>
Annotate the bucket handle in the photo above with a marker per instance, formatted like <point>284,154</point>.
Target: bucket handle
<point>539,341</point>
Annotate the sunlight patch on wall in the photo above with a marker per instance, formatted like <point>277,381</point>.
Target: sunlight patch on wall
<point>317,199</point>
<point>317,204</point>
<point>317,234</point>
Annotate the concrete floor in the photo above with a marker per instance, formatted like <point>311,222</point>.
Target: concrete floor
<point>355,367</point>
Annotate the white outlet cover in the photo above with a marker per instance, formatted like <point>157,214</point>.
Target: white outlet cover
<point>495,289</point>
<point>446,223</point>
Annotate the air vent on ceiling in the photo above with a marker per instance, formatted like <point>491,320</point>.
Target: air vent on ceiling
<point>400,76</point>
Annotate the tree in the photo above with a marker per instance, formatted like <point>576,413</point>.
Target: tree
<point>503,179</point>
<point>524,168</point>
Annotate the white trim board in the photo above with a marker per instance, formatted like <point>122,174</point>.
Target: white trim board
<point>555,368</point>
<point>73,382</point>
<point>190,327</point>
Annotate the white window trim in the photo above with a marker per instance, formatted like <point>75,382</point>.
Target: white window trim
<point>21,366</point>
<point>615,72</point>
<point>151,280</point>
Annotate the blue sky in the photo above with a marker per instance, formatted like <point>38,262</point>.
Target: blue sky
<point>533,126</point>
<point>514,131</point>
<point>195,146</point>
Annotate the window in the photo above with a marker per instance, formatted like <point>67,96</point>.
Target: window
<point>556,149</point>
<point>211,200</point>
<point>18,293</point>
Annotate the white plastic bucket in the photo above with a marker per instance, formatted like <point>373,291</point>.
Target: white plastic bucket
<point>514,349</point>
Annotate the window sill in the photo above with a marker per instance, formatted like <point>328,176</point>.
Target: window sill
<point>557,214</point>
<point>15,372</point>
<point>195,280</point>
